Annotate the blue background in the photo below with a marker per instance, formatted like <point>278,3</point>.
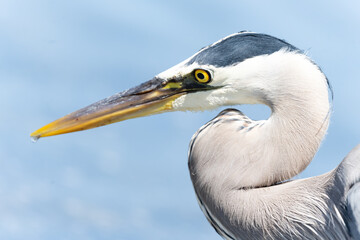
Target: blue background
<point>129,180</point>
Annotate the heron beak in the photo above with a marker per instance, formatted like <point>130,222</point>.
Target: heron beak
<point>152,97</point>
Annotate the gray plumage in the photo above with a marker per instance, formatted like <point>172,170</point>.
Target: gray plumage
<point>322,207</point>
<point>241,169</point>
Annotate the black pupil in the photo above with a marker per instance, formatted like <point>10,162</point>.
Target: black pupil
<point>200,76</point>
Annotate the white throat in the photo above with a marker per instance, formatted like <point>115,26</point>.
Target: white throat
<point>296,91</point>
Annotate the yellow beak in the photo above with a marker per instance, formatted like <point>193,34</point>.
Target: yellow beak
<point>152,97</point>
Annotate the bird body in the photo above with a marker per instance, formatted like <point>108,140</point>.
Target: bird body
<point>241,169</point>
<point>312,208</point>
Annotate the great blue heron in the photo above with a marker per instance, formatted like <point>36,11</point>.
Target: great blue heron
<point>240,168</point>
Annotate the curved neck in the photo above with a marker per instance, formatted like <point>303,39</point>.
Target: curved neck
<point>232,157</point>
<point>299,119</point>
<point>292,136</point>
<point>280,147</point>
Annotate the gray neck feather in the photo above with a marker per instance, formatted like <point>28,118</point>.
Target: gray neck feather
<point>232,167</point>
<point>275,149</point>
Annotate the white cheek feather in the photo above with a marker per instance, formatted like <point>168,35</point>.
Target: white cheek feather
<point>205,100</point>
<point>259,80</point>
<point>195,102</point>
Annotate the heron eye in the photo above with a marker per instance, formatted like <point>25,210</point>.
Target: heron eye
<point>202,76</point>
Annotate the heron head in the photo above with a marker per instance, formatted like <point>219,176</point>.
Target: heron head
<point>212,77</point>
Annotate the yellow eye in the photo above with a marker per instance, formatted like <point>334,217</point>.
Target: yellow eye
<point>202,76</point>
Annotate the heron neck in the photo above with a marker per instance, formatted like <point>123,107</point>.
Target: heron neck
<point>297,94</point>
<point>292,135</point>
<point>232,159</point>
<point>277,149</point>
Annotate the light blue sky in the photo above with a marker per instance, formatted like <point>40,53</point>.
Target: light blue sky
<point>129,180</point>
